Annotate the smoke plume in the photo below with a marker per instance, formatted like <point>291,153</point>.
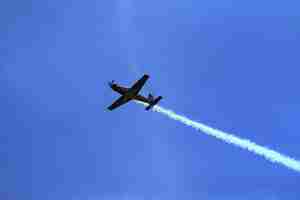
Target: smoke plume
<point>268,154</point>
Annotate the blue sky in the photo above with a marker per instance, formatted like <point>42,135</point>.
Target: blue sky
<point>232,65</point>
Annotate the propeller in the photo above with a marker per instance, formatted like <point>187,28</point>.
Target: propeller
<point>111,83</point>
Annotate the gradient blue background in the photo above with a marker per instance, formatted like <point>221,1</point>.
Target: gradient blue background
<point>233,65</point>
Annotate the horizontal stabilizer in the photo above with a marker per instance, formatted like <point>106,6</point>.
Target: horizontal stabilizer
<point>153,103</point>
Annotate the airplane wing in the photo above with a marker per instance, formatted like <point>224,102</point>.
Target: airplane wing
<point>120,101</point>
<point>137,86</point>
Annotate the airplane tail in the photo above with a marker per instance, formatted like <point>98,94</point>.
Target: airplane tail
<point>154,102</point>
<point>150,97</point>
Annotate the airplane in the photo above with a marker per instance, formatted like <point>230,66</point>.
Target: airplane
<point>132,93</point>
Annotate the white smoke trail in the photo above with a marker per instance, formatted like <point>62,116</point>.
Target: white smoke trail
<point>265,152</point>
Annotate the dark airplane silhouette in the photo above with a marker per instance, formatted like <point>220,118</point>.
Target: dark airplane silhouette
<point>133,94</point>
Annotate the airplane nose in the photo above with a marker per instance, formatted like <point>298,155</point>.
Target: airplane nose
<point>112,83</point>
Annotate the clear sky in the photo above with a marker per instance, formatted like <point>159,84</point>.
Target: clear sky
<point>233,65</point>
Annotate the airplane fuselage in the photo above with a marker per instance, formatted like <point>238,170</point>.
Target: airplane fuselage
<point>128,94</point>
<point>120,90</point>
